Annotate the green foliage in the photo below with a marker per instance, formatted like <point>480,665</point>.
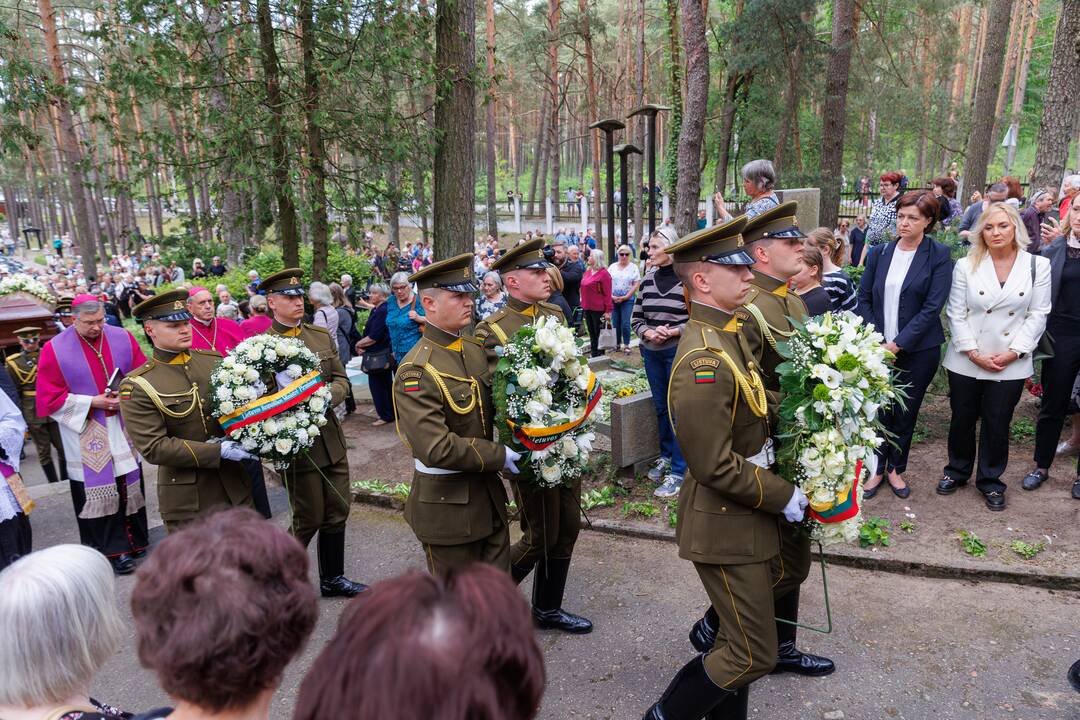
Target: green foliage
<point>1022,429</point>
<point>1027,550</point>
<point>971,544</point>
<point>855,272</point>
<point>907,526</point>
<point>136,329</point>
<point>874,531</point>
<point>597,498</point>
<point>920,434</point>
<point>673,517</point>
<point>377,487</point>
<point>641,509</point>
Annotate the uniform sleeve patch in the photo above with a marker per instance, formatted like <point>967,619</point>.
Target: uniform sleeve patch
<point>704,362</point>
<point>410,379</point>
<point>704,375</point>
<point>125,392</point>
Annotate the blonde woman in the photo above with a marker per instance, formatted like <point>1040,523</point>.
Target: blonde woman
<point>625,279</point>
<point>997,311</point>
<point>596,299</point>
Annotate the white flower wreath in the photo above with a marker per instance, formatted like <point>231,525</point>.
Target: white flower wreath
<point>279,425</point>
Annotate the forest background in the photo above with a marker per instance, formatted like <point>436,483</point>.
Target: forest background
<point>227,126</point>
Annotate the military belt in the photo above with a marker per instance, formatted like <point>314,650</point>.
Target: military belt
<point>421,467</point>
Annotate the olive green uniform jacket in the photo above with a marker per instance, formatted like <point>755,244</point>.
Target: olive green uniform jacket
<point>164,404</point>
<point>444,413</point>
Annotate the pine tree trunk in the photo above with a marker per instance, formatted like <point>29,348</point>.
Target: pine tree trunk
<point>538,176</point>
<point>455,124</point>
<point>594,135</point>
<point>1058,124</point>
<point>1020,82</point>
<point>287,232</point>
<point>834,112</point>
<point>316,153</point>
<point>675,91</point>
<point>981,144</point>
<point>789,118</point>
<point>691,135</point>
<point>69,145</point>
<point>635,162</point>
<point>492,218</point>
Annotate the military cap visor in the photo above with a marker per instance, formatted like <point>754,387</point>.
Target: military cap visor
<point>454,274</point>
<point>735,257</point>
<point>526,256</point>
<point>285,282</point>
<point>778,223</point>
<point>168,307</point>
<point>719,244</point>
<point>28,333</point>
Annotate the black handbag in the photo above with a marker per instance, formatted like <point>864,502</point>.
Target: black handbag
<point>374,361</point>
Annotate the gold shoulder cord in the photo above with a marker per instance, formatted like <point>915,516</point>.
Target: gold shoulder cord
<point>473,387</point>
<point>499,334</point>
<point>751,384</point>
<point>24,378</point>
<point>155,397</point>
<point>766,329</point>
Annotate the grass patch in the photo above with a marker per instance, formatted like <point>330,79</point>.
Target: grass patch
<point>971,544</point>
<point>1027,550</point>
<point>874,531</point>
<point>640,509</point>
<point>598,498</point>
<point>1022,429</point>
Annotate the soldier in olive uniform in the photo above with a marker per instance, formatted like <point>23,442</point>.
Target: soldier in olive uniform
<point>22,368</point>
<point>318,481</point>
<point>165,411</point>
<point>442,402</point>
<point>775,242</point>
<point>550,517</point>
<point>731,502</point>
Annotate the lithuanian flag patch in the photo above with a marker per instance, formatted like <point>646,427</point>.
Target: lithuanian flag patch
<point>704,375</point>
<point>411,385</point>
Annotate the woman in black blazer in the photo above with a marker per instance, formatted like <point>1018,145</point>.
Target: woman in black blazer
<point>902,292</point>
<point>1059,372</point>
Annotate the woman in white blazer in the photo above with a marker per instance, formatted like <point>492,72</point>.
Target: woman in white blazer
<point>997,312</point>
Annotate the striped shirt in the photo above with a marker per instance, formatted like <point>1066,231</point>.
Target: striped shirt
<point>653,308</point>
<point>841,291</point>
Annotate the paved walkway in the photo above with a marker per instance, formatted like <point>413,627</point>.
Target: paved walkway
<point>906,647</point>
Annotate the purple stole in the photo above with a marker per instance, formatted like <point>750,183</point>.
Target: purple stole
<point>102,495</point>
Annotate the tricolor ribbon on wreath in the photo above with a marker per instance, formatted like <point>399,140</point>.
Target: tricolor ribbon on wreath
<point>844,507</point>
<point>535,437</point>
<point>270,405</point>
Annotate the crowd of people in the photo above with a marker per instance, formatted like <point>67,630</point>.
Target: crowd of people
<point>223,604</point>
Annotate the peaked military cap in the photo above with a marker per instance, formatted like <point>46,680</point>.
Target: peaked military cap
<point>719,244</point>
<point>526,255</point>
<point>169,306</point>
<point>63,306</point>
<point>289,281</point>
<point>28,333</point>
<point>454,274</point>
<point>778,222</point>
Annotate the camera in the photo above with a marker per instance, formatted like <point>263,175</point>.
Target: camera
<point>549,253</point>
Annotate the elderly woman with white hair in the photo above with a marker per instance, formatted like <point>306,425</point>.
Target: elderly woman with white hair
<point>759,182</point>
<point>60,623</point>
<point>491,297</point>
<point>325,315</point>
<point>404,315</point>
<point>660,314</point>
<point>15,504</point>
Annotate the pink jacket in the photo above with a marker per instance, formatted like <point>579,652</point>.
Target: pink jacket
<point>596,291</point>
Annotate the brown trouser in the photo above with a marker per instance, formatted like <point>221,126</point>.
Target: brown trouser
<point>550,522</point>
<point>745,647</point>
<point>319,499</point>
<point>492,550</point>
<point>46,436</point>
<point>792,565</point>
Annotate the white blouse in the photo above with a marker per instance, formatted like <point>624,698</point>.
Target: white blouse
<point>894,283</point>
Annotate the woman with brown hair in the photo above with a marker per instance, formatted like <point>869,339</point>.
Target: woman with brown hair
<point>836,282</point>
<point>427,647</point>
<point>221,608</point>
<point>902,292</point>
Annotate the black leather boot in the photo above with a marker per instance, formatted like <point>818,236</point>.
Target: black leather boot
<point>692,695</point>
<point>734,707</point>
<point>520,572</point>
<point>1074,676</point>
<point>703,634</point>
<point>548,586</point>
<point>788,657</point>
<point>332,580</point>
<point>50,473</point>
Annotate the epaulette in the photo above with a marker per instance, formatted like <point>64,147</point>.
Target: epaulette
<point>420,354</point>
<point>211,353</point>
<point>309,326</point>
<point>550,306</point>
<point>12,359</point>
<point>151,362</point>
<point>496,316</point>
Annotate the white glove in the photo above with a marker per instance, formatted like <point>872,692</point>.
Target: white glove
<point>283,380</point>
<point>511,458</point>
<point>232,450</point>
<point>796,506</point>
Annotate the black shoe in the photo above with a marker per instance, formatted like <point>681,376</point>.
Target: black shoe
<point>50,473</point>
<point>331,556</point>
<point>340,586</point>
<point>122,564</point>
<point>1074,676</point>
<point>138,554</point>
<point>995,500</point>
<point>790,659</point>
<point>1033,480</point>
<point>548,586</point>
<point>947,485</point>
<point>902,493</point>
<point>871,492</point>
<point>691,694</point>
<point>1076,489</point>
<point>703,634</point>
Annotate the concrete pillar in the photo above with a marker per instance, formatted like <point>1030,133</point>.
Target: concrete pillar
<point>809,200</point>
<point>710,211</point>
<point>517,214</point>
<point>666,210</point>
<point>378,215</point>
<point>548,216</point>
<point>584,205</point>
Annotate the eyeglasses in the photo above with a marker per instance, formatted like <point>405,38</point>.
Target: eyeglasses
<point>624,254</point>
<point>399,287</point>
